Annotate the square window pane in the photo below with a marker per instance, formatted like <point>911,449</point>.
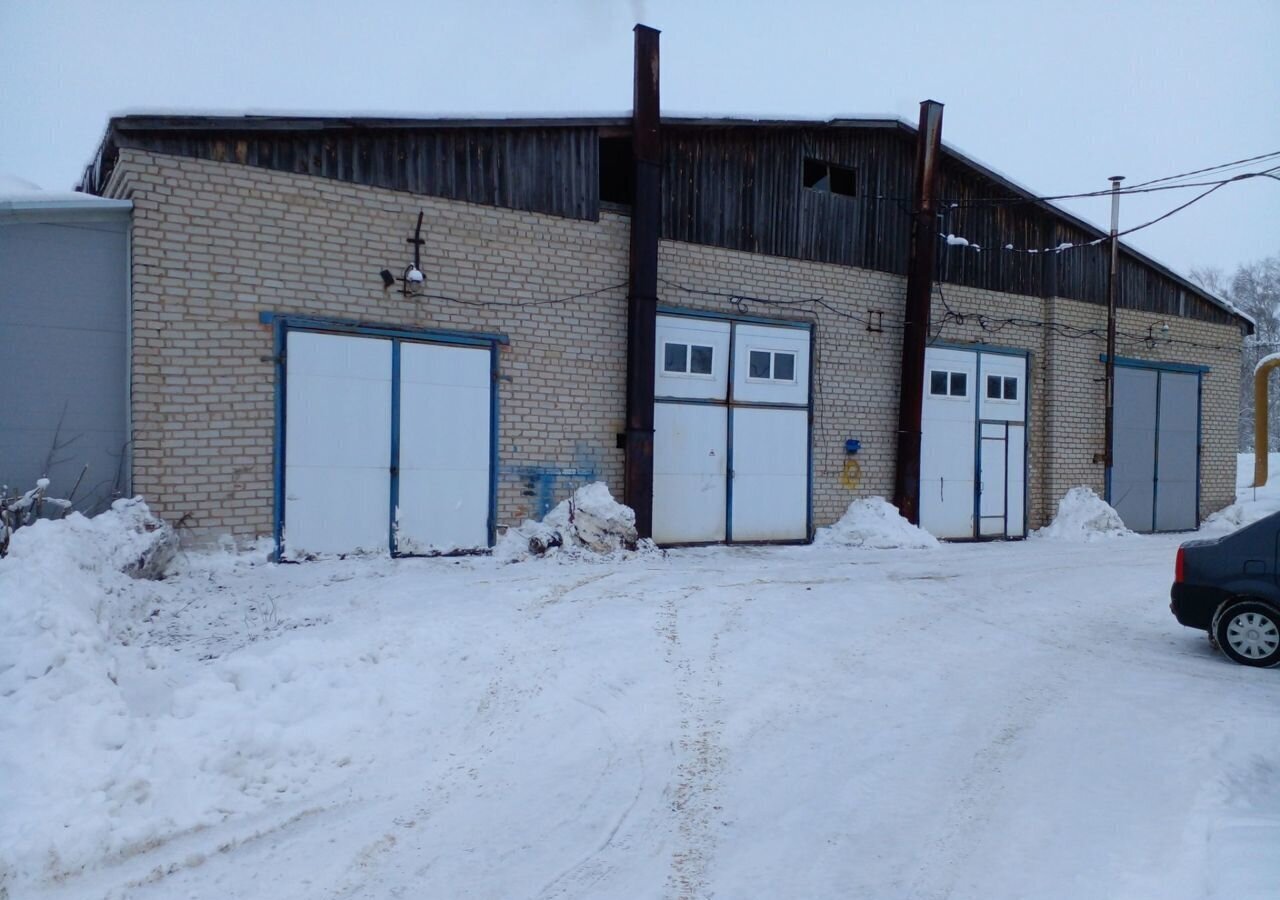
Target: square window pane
<point>993,387</point>
<point>675,358</point>
<point>700,360</point>
<point>1011,389</point>
<point>959,384</point>
<point>938,383</point>
<point>784,367</point>
<point>758,366</point>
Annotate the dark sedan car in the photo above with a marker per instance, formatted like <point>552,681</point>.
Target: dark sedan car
<point>1230,587</point>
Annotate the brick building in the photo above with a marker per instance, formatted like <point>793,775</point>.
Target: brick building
<point>280,386</point>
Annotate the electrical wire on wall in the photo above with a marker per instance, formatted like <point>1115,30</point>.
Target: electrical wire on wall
<point>740,304</point>
<point>994,325</point>
<point>517,304</point>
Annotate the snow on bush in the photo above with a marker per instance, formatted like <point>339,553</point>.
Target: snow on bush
<point>589,523</point>
<point>1083,516</point>
<point>876,524</point>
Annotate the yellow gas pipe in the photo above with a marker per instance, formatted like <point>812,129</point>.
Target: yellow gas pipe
<point>1260,446</point>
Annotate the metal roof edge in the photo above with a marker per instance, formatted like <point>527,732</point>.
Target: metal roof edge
<point>91,204</point>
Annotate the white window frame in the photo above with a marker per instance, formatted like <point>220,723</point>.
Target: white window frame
<point>773,355</point>
<point>688,360</point>
<point>1004,387</point>
<point>951,374</point>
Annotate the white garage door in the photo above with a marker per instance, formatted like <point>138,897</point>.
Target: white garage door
<point>731,431</point>
<point>337,445</point>
<point>443,496</point>
<point>388,446</point>
<point>973,444</point>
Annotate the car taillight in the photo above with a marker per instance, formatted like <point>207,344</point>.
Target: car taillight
<point>1180,566</point>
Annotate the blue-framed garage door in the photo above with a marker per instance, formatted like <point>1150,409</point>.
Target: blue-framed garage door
<point>387,444</point>
<point>1155,472</point>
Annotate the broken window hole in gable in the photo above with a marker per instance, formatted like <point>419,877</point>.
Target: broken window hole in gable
<point>617,170</point>
<point>829,178</point>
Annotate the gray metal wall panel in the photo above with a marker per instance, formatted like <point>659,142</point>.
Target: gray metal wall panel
<point>1134,450</point>
<point>1177,451</point>
<point>63,315</point>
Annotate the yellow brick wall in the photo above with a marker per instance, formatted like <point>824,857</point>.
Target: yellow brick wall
<point>216,244</point>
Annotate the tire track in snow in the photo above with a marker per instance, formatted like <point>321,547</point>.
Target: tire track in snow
<point>694,795</point>
<point>964,820</point>
<point>509,689</point>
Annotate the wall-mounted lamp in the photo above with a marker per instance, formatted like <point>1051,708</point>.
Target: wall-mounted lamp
<point>412,278</point>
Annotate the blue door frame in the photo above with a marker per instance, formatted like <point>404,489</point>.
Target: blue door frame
<point>730,403</point>
<point>282,324</point>
<point>1183,368</point>
<point>980,349</point>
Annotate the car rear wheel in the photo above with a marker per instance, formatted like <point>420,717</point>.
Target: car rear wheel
<point>1248,631</point>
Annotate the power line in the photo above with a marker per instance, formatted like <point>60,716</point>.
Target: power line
<point>1140,187</point>
<point>954,240</point>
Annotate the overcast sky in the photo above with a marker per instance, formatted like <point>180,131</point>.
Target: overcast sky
<point>1057,96</point>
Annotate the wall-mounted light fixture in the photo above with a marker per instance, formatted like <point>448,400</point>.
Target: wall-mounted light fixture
<point>412,278</point>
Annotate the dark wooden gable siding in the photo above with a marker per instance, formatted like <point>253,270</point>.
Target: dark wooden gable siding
<point>742,188</point>
<point>551,170</point>
<point>728,184</point>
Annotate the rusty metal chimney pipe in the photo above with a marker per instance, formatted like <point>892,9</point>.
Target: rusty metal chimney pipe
<point>924,232</point>
<point>642,295</point>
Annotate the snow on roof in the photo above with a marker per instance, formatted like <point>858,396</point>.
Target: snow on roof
<point>17,193</point>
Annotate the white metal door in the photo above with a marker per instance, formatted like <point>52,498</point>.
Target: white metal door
<point>761,406</point>
<point>770,474</point>
<point>690,473</point>
<point>947,451</point>
<point>337,445</point>
<point>1002,413</point>
<point>973,444</point>
<point>444,449</point>
<point>993,494</point>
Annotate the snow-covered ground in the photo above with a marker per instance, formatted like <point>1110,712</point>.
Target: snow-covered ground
<point>969,721</point>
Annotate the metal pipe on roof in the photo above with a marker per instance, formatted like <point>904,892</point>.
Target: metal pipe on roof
<point>642,299</point>
<point>920,262</point>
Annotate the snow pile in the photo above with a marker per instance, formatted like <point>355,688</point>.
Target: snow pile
<point>63,584</point>
<point>589,524</point>
<point>122,726</point>
<point>1083,516</point>
<point>1251,503</point>
<point>876,524</point>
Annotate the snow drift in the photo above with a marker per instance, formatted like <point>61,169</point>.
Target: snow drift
<point>588,524</point>
<point>876,524</point>
<point>1083,516</point>
<point>101,757</point>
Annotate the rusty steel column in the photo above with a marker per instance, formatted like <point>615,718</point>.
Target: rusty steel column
<point>915,336</point>
<point>642,299</point>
